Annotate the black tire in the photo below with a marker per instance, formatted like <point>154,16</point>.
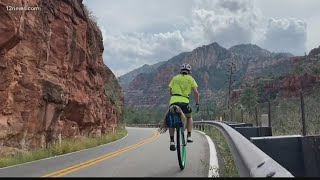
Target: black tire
<point>181,149</point>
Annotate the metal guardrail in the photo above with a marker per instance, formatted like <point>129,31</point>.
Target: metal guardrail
<point>250,160</point>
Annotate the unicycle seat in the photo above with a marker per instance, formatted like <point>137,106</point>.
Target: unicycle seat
<point>173,119</point>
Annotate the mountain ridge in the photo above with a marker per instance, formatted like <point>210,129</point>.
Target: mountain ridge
<point>210,64</point>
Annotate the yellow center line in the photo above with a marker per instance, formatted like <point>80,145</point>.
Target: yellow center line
<point>77,167</point>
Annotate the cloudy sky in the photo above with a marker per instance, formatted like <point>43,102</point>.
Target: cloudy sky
<point>138,32</point>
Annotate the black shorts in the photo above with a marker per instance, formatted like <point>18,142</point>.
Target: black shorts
<point>186,109</point>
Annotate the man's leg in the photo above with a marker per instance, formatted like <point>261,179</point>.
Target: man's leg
<point>188,113</point>
<point>171,133</point>
<point>189,127</point>
<point>189,124</point>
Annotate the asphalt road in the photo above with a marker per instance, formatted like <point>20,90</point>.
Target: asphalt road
<point>142,153</point>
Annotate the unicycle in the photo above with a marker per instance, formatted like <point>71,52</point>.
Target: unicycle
<point>181,147</point>
<point>174,121</point>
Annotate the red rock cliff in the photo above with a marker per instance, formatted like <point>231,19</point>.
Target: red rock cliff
<point>53,82</point>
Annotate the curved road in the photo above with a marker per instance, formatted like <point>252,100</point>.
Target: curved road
<point>142,153</point>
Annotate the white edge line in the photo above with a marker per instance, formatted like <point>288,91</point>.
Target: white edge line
<point>200,132</point>
<point>62,154</point>
<point>213,165</point>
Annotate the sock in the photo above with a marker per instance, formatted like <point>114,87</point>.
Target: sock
<point>172,138</point>
<point>189,133</point>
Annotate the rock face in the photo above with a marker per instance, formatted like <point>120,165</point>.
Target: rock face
<point>288,87</point>
<point>53,83</point>
<point>127,78</point>
<point>303,75</point>
<point>315,52</point>
<point>209,68</point>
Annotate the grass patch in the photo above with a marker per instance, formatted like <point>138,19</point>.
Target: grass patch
<point>66,146</point>
<point>229,169</point>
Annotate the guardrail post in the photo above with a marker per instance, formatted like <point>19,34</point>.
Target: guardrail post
<point>256,112</point>
<point>303,115</point>
<point>231,114</point>
<point>241,115</point>
<point>269,113</point>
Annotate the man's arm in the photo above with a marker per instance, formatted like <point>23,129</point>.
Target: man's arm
<point>196,94</point>
<point>170,86</point>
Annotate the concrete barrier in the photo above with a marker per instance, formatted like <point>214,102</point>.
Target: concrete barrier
<point>240,125</point>
<point>249,132</point>
<point>286,150</point>
<point>311,155</point>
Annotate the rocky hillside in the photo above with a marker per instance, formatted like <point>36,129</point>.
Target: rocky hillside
<point>127,78</point>
<point>210,65</point>
<point>53,83</point>
<point>303,74</point>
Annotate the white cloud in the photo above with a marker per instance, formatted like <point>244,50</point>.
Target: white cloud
<point>285,35</point>
<point>231,22</point>
<point>313,38</point>
<point>148,31</point>
<point>129,51</point>
<point>227,22</point>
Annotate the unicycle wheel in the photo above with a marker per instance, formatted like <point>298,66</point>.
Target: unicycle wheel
<point>181,148</point>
